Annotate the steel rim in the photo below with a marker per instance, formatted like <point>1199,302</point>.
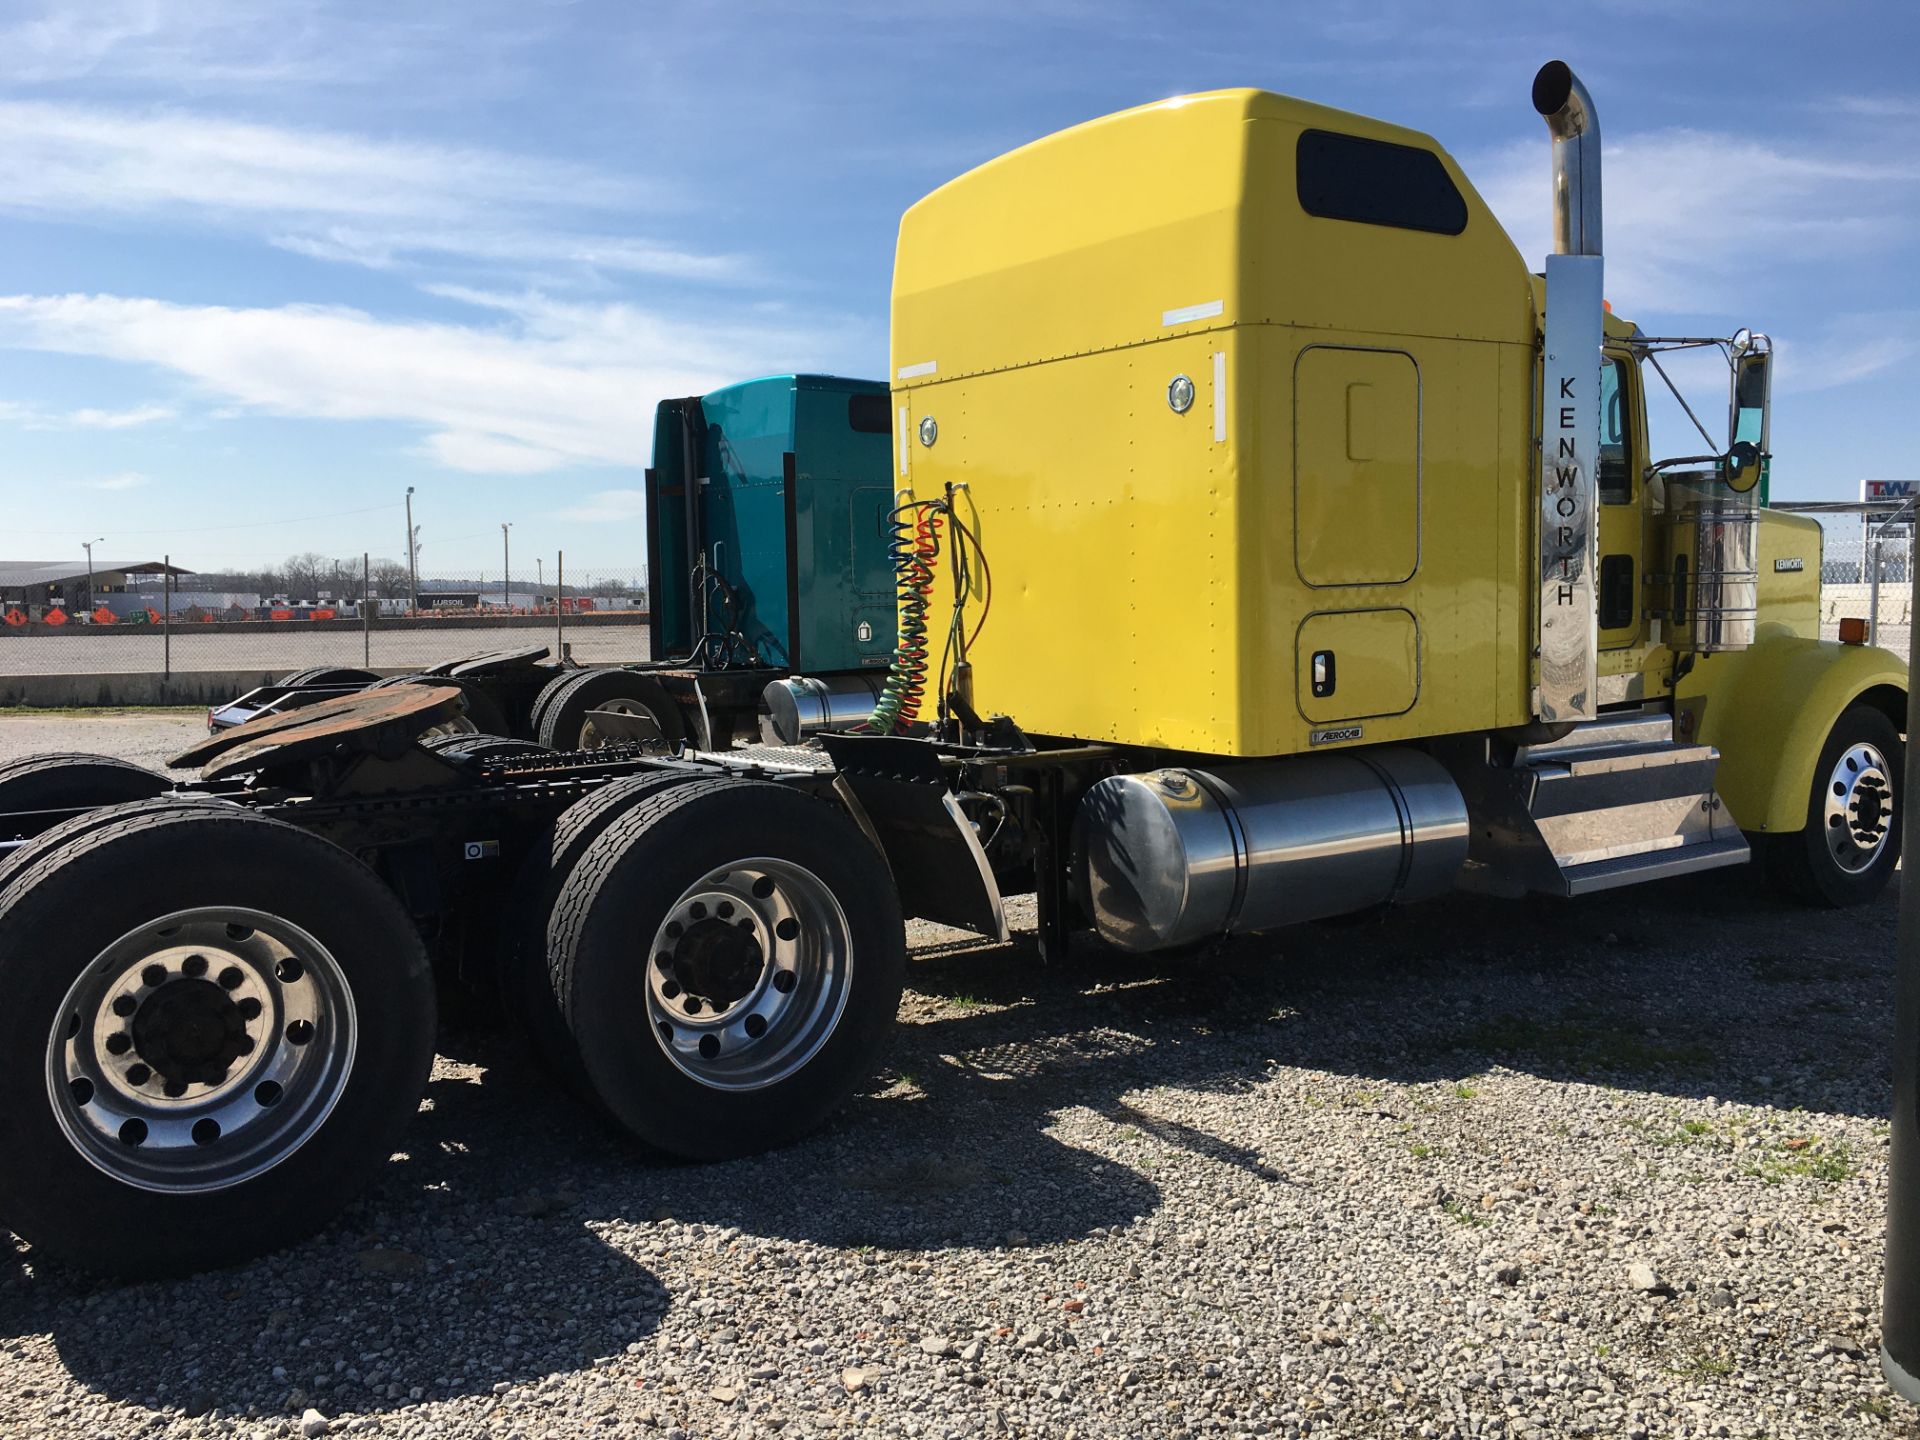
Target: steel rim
<point>590,736</point>
<point>748,975</point>
<point>201,1049</point>
<point>1859,811</point>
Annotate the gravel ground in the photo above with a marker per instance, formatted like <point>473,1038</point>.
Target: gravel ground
<point>1611,1167</point>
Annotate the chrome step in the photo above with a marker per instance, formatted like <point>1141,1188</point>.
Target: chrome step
<point>1656,865</point>
<point>1613,802</point>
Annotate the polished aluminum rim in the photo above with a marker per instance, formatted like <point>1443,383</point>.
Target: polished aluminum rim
<point>1859,808</point>
<point>748,974</point>
<point>201,1049</point>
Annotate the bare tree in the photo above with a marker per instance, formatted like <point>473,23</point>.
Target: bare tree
<point>304,574</point>
<point>390,578</point>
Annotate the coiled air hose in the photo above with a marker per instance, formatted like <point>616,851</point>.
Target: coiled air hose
<point>913,549</point>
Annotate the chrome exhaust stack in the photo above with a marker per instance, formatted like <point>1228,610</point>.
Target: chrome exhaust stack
<point>1560,97</point>
<point>1569,634</point>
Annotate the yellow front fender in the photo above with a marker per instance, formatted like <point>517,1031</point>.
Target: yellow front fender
<point>1769,709</point>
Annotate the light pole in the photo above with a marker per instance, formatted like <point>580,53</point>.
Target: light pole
<point>413,579</point>
<point>506,568</point>
<point>88,545</point>
<point>539,579</point>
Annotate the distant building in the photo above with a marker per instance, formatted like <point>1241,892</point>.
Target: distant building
<point>41,585</point>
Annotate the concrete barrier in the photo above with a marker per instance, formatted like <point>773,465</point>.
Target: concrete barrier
<point>351,625</point>
<point>195,688</point>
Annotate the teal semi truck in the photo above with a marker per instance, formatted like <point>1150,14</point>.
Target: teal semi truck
<point>768,549</point>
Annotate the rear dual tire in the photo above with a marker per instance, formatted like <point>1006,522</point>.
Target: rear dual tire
<point>563,714</point>
<point>213,1029</point>
<point>772,975</point>
<point>526,985</point>
<point>67,782</point>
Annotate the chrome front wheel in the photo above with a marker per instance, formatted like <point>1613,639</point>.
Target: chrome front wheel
<point>1859,810</point>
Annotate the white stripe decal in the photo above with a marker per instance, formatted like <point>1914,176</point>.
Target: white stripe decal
<point>1220,396</point>
<point>1193,312</point>
<point>925,367</point>
<point>904,434</point>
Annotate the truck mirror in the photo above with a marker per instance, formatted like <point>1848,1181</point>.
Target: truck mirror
<point>1752,386</point>
<point>1742,467</point>
<point>1747,412</point>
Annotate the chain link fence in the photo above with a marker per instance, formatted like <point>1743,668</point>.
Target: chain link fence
<point>362,612</point>
<point>369,612</point>
<point>1868,575</point>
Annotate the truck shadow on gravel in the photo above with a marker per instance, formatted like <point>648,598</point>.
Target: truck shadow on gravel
<point>506,1245</point>
<point>1705,985</point>
<point>467,1266</point>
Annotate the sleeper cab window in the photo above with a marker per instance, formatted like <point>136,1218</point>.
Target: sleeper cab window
<point>1376,182</point>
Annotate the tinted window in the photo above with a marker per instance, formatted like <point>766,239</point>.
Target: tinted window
<point>1343,177</point>
<point>1616,478</point>
<point>869,414</point>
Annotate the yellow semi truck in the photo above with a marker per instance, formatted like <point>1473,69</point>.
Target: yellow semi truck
<point>1269,544</point>
<point>1288,457</point>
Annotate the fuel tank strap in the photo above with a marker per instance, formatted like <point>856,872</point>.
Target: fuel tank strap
<point>1237,834</point>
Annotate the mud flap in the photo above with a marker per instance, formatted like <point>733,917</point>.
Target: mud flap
<point>940,870</point>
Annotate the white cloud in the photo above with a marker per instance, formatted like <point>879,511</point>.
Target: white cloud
<point>328,194</point>
<point>89,418</point>
<point>86,418</point>
<point>195,45</point>
<point>384,249</point>
<point>125,480</point>
<point>552,385</point>
<point>491,454</point>
<point>1692,217</point>
<point>1849,348</point>
<point>607,507</point>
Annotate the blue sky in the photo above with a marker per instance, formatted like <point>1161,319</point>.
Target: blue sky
<point>266,262</point>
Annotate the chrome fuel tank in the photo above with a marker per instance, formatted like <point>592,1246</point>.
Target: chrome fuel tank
<point>1173,856</point>
<point>801,706</point>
